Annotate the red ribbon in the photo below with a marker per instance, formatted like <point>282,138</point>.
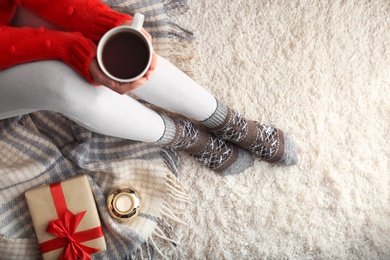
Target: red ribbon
<point>64,228</point>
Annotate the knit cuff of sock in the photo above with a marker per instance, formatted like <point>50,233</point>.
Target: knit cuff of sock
<point>170,131</point>
<point>217,118</point>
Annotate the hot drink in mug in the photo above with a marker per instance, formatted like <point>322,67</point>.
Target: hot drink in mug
<point>124,53</point>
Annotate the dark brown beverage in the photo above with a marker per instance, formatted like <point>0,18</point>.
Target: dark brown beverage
<point>125,55</point>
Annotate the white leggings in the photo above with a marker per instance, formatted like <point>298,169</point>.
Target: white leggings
<point>52,85</point>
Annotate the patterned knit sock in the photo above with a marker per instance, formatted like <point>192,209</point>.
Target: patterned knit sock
<point>215,153</point>
<point>268,143</point>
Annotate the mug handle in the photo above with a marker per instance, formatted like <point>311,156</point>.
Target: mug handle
<point>138,21</point>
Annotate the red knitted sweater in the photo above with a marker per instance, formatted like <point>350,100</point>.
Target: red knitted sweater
<point>84,23</point>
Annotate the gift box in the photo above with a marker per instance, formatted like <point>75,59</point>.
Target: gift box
<point>66,219</point>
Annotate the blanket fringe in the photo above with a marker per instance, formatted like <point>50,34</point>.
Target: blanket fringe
<point>157,249</point>
<point>173,212</point>
<point>160,234</point>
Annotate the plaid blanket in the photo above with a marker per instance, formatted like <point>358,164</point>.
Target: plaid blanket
<point>45,147</point>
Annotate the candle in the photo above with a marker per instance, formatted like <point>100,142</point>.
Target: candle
<point>123,202</point>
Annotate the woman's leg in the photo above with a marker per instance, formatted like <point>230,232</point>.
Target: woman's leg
<point>172,89</point>
<point>52,85</point>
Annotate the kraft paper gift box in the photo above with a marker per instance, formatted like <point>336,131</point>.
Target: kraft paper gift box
<point>66,219</point>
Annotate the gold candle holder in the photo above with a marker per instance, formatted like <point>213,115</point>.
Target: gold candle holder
<point>123,203</point>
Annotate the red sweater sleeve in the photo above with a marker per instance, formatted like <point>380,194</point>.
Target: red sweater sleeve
<point>21,45</point>
<point>90,17</point>
<point>7,11</point>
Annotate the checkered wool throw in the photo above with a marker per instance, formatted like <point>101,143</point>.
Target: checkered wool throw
<point>45,147</point>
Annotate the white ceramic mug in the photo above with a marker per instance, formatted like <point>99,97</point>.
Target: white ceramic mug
<point>123,54</point>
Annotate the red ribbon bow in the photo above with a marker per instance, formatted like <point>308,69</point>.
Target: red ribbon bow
<point>64,228</point>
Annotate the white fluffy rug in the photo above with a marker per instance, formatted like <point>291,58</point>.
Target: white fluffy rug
<point>319,70</point>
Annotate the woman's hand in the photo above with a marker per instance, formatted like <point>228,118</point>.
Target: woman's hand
<point>122,88</point>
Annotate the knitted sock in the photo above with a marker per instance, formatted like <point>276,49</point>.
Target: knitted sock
<point>268,143</point>
<point>213,152</point>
